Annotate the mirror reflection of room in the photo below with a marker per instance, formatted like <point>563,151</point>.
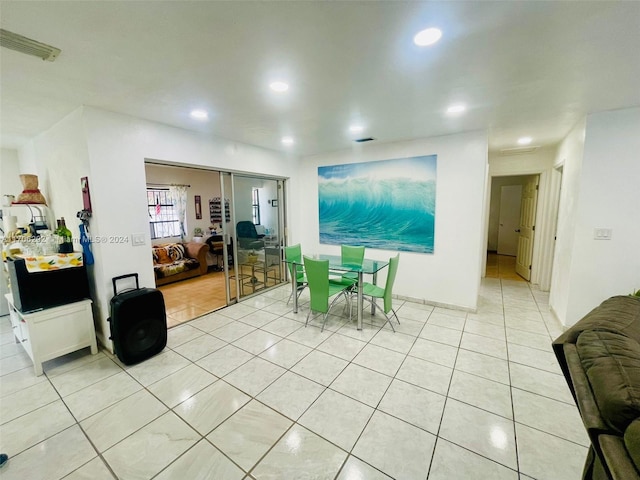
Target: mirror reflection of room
<point>256,214</point>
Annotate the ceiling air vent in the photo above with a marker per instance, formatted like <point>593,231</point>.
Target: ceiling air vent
<point>22,44</point>
<point>362,140</point>
<point>518,150</point>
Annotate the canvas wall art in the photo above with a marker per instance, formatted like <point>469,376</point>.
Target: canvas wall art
<point>386,204</point>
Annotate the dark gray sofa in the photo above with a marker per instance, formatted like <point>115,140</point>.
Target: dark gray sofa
<point>600,359</point>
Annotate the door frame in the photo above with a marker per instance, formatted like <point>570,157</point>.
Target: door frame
<point>282,209</point>
<point>546,215</point>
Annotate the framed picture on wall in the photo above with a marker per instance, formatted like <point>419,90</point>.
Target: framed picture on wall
<point>198,207</point>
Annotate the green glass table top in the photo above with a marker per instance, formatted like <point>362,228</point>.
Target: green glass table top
<point>368,266</point>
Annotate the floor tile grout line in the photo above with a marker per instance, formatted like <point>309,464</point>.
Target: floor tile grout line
<point>444,407</point>
<point>348,362</point>
<point>513,408</point>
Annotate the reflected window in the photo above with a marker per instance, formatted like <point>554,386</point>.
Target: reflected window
<point>255,206</point>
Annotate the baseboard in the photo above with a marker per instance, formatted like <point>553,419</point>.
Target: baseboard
<point>435,304</point>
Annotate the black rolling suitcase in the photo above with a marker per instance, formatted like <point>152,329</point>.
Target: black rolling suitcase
<point>138,322</point>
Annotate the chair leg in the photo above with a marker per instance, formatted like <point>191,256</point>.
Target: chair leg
<point>389,321</point>
<point>308,314</point>
<point>300,289</point>
<point>372,302</point>
<point>324,321</point>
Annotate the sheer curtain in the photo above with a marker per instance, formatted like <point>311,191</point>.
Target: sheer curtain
<point>179,197</point>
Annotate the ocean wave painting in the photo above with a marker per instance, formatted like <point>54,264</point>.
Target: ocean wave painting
<point>387,204</point>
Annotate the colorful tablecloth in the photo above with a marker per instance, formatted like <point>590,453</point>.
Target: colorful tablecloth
<point>43,263</point>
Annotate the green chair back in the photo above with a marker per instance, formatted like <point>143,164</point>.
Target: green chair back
<point>391,277</point>
<point>318,282</point>
<point>293,253</point>
<point>352,254</point>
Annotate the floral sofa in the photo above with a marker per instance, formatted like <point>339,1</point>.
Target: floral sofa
<point>178,261</point>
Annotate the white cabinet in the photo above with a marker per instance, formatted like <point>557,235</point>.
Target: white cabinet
<point>53,332</point>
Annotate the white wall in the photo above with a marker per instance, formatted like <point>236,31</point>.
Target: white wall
<point>606,194</point>
<point>62,158</point>
<point>9,185</point>
<point>451,275</point>
<point>569,157</point>
<point>111,150</point>
<point>541,163</point>
<point>118,146</point>
<point>10,172</point>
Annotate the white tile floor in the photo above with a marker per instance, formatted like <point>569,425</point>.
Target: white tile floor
<point>249,392</point>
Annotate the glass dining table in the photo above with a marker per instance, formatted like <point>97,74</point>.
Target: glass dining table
<point>370,267</point>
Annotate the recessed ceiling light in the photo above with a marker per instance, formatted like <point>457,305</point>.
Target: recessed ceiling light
<point>459,108</point>
<point>199,114</point>
<point>287,140</point>
<point>524,140</point>
<point>427,37</point>
<point>279,86</point>
<point>356,128</point>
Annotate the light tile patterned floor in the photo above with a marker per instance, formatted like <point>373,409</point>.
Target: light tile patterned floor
<point>249,392</point>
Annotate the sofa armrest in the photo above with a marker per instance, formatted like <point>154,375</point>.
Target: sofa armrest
<point>199,252</point>
<point>582,394</point>
<point>616,458</point>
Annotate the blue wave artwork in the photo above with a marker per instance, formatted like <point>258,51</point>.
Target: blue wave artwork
<point>387,204</point>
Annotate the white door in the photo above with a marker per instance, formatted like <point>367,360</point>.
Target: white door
<point>527,228</point>
<point>509,219</point>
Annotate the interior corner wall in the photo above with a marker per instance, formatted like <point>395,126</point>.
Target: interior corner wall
<point>605,195</point>
<point>118,146</point>
<point>10,172</point>
<point>569,157</point>
<point>451,275</point>
<point>62,158</point>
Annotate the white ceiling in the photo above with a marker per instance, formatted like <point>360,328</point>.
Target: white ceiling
<point>523,68</point>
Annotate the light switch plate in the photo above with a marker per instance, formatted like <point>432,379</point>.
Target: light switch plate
<point>137,239</point>
<point>602,233</point>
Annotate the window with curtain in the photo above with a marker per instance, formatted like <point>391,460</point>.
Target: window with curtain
<point>163,216</point>
<point>255,206</point>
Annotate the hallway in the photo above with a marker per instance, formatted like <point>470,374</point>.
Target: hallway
<point>502,267</point>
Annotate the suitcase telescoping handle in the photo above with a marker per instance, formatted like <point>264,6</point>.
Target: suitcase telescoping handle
<point>114,279</point>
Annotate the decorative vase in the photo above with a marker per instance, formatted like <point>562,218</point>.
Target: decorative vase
<point>30,192</point>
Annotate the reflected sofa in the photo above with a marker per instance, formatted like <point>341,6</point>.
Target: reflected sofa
<point>600,359</point>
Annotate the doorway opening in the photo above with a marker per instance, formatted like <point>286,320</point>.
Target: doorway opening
<point>201,260</point>
<point>511,233</point>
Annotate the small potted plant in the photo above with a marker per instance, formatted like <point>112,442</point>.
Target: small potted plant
<point>252,257</point>
<point>197,235</point>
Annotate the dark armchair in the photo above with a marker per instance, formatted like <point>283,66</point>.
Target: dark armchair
<point>248,238</point>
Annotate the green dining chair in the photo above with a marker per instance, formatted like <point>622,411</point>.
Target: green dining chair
<point>352,254</point>
<point>374,291</point>
<point>293,253</point>
<point>321,289</point>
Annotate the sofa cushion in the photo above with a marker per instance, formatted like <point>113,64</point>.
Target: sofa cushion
<point>167,254</point>
<point>632,442</point>
<point>168,269</point>
<point>612,364</point>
